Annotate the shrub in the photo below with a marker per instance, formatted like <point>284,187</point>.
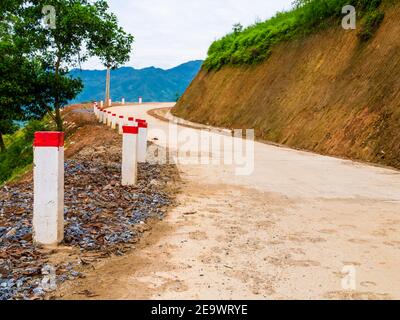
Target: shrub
<point>253,44</point>
<point>19,153</point>
<point>372,22</point>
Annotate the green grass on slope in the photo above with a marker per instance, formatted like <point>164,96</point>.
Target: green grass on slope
<point>254,43</point>
<point>19,154</point>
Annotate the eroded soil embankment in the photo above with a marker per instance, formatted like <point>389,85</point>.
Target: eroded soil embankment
<point>326,93</point>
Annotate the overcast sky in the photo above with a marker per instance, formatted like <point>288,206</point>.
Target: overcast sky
<point>170,32</point>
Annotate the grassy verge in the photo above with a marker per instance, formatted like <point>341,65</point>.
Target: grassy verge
<point>254,43</point>
<point>18,157</point>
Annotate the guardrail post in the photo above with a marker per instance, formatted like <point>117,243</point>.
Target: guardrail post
<point>113,121</point>
<point>129,155</point>
<point>48,189</point>
<point>104,116</point>
<point>95,108</point>
<point>131,122</point>
<point>120,124</point>
<point>108,118</point>
<point>142,140</point>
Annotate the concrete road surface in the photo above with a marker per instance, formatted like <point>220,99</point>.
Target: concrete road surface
<point>301,226</point>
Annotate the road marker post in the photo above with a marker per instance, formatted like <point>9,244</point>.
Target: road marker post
<point>142,140</point>
<point>101,104</point>
<point>113,121</point>
<point>95,108</point>
<point>123,100</point>
<point>120,124</point>
<point>131,122</point>
<point>48,188</point>
<point>110,102</point>
<point>109,118</point>
<point>104,116</point>
<point>140,100</point>
<point>129,155</point>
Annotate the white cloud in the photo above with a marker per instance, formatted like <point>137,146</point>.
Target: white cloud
<point>170,32</point>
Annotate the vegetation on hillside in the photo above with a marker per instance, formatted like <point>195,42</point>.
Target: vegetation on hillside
<point>19,153</point>
<point>253,44</point>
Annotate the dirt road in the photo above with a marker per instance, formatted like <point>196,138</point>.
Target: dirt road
<point>292,229</point>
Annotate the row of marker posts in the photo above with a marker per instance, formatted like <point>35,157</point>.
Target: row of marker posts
<point>134,147</point>
<point>48,172</point>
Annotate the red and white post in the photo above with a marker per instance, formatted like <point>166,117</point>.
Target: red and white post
<point>142,140</point>
<point>131,122</point>
<point>104,116</point>
<point>120,124</point>
<point>100,117</point>
<point>48,189</point>
<point>113,121</point>
<point>129,155</point>
<point>95,108</point>
<point>109,118</point>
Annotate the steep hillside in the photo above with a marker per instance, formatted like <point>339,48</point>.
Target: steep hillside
<point>153,84</point>
<point>327,92</point>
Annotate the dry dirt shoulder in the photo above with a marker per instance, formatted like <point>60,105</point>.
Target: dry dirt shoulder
<point>102,218</point>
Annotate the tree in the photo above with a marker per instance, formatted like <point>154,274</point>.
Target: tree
<point>112,45</point>
<point>78,30</point>
<point>14,89</point>
<point>237,28</point>
<point>17,72</point>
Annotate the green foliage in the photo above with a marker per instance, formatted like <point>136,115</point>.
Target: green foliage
<point>372,22</point>
<point>83,28</point>
<point>253,44</point>
<point>19,153</point>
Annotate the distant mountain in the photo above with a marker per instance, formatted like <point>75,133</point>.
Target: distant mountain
<point>153,84</point>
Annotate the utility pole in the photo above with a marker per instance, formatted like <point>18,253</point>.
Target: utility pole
<point>108,80</point>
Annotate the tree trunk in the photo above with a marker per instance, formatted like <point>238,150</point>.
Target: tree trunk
<point>2,144</point>
<point>108,81</point>
<point>58,118</point>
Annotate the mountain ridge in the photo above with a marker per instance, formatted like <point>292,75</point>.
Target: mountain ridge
<point>151,83</point>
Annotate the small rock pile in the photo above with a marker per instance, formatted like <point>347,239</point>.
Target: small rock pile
<point>100,216</point>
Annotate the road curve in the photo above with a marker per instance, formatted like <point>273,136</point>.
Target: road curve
<point>301,226</point>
